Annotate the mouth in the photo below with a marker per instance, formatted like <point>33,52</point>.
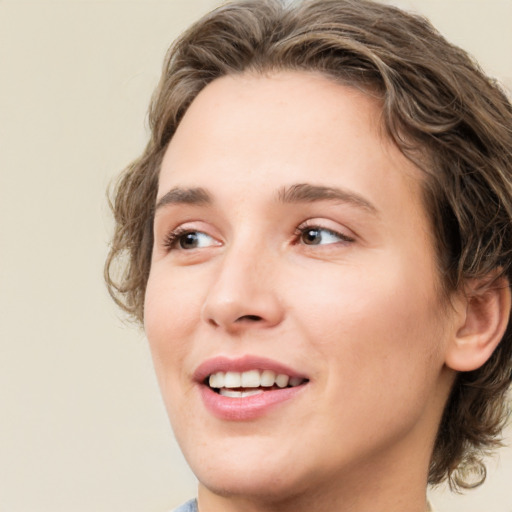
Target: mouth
<point>253,382</point>
<point>248,387</point>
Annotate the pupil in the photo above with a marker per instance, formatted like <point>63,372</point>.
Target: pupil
<point>188,241</point>
<point>312,237</point>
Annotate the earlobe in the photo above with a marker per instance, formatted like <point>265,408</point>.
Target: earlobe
<point>481,325</point>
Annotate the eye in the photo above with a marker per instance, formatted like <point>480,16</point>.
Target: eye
<point>315,235</point>
<point>188,239</point>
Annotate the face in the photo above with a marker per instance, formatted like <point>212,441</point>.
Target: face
<point>293,269</point>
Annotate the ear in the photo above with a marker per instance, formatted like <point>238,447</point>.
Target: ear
<point>482,317</point>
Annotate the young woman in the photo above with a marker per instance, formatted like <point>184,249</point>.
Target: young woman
<point>319,248</point>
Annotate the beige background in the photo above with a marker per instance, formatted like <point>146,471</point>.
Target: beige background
<point>82,427</point>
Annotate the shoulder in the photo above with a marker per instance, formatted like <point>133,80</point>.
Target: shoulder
<point>189,506</point>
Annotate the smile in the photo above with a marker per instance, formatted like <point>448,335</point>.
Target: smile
<point>249,383</point>
<point>246,388</point>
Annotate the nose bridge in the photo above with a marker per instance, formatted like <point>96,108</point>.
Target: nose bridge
<point>243,293</point>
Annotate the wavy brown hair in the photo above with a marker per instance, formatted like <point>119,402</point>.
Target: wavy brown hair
<point>439,108</point>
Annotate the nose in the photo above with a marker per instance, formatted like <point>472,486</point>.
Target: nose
<point>243,294</point>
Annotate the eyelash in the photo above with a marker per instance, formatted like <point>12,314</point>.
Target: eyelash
<point>171,238</point>
<point>174,236</point>
<point>304,228</point>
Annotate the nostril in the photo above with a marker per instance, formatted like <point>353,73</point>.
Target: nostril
<point>251,318</point>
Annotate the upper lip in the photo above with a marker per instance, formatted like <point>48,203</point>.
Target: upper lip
<point>242,364</point>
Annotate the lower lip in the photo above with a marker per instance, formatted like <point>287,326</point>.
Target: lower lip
<point>248,407</point>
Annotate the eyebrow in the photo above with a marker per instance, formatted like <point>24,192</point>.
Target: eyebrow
<point>307,193</point>
<point>298,193</point>
<point>178,195</point>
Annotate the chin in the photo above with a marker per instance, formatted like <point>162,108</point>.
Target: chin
<point>248,477</point>
<point>253,486</point>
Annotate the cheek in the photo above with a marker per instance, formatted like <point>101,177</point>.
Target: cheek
<point>173,301</point>
<point>171,311</point>
<point>380,362</point>
<point>373,325</point>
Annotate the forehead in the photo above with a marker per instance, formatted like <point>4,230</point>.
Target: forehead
<point>262,131</point>
<point>271,114</point>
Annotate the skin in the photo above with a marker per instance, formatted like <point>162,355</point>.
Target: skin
<point>359,313</point>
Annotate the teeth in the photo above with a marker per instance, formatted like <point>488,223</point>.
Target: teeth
<point>251,379</point>
<point>295,381</point>
<point>232,380</point>
<point>239,394</point>
<point>282,380</point>
<point>268,377</point>
<point>216,380</point>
